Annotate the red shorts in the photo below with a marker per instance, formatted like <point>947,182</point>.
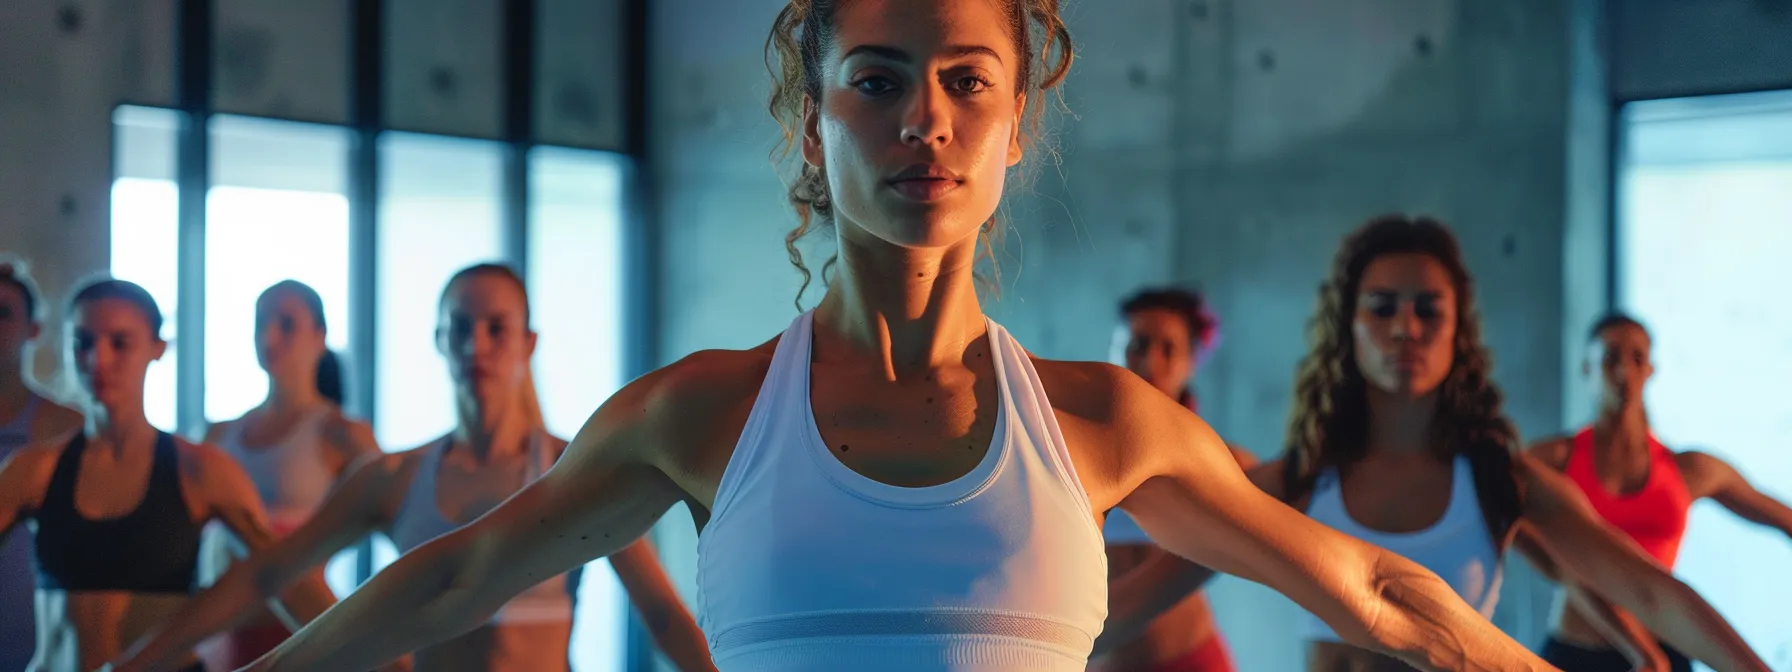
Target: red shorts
<point>1212,656</point>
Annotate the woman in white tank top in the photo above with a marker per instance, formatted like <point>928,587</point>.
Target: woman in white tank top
<point>26,418</point>
<point>894,483</point>
<point>295,446</point>
<point>1399,438</point>
<point>498,447</point>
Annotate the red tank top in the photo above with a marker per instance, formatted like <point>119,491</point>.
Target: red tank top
<point>1654,516</point>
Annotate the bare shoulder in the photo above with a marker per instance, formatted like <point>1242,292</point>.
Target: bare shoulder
<point>212,468</point>
<point>1551,451</point>
<point>1093,391</point>
<point>1704,474</point>
<point>656,411</point>
<point>352,436</point>
<point>1697,461</point>
<point>25,474</point>
<point>55,422</point>
<point>1122,431</point>
<point>202,458</point>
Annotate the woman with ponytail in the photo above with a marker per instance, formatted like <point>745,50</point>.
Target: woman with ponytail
<point>296,445</point>
<point>498,445</point>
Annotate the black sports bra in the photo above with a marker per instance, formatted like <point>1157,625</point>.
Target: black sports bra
<point>153,549</point>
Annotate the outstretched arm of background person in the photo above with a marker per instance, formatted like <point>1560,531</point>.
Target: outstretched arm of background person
<point>1622,630</point>
<point>603,494</point>
<point>1708,476</point>
<point>1192,499</point>
<point>670,624</point>
<point>347,515</point>
<point>1588,551</point>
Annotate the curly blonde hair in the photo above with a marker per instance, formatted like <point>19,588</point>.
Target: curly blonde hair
<point>793,54</point>
<point>1329,426</point>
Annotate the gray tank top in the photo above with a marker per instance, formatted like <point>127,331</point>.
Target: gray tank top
<point>420,519</point>
<point>18,576</point>
<point>291,475</point>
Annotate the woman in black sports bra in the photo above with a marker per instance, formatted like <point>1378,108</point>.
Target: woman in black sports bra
<point>119,507</point>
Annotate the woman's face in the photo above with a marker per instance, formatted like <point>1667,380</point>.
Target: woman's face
<point>484,333</point>
<point>1405,324</point>
<point>288,340</point>
<point>16,326</point>
<point>1621,353</point>
<point>1159,348</point>
<point>113,347</point>
<point>919,118</point>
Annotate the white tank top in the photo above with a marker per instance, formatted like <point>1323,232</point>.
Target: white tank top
<point>420,519</point>
<point>807,565</point>
<point>292,476</point>
<point>1458,548</point>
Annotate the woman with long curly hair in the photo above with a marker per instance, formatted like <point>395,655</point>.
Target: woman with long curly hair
<point>1639,485</point>
<point>894,483</point>
<point>1398,437</point>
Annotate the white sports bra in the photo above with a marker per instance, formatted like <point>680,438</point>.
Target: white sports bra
<point>1458,548</point>
<point>291,475</point>
<point>807,565</point>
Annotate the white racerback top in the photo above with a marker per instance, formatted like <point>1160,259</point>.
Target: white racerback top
<point>420,520</point>
<point>807,565</point>
<point>291,475</point>
<point>1458,548</point>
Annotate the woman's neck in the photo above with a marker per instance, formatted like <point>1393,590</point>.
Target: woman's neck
<point>497,434</point>
<point>119,427</point>
<point>1399,424</point>
<point>288,396</point>
<point>1624,428</point>
<point>915,309</point>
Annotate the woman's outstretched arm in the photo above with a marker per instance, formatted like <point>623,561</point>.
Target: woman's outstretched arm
<point>603,494</point>
<point>1193,499</point>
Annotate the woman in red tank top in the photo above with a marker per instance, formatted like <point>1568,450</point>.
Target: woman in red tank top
<point>1639,486</point>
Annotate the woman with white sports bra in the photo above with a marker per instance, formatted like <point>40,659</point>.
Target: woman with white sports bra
<point>498,447</point>
<point>295,446</point>
<point>26,417</point>
<point>894,483</point>
<point>1398,438</point>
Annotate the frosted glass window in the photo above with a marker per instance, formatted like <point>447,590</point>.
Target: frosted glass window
<point>440,210</point>
<point>575,286</point>
<point>145,235</point>
<point>1705,225</point>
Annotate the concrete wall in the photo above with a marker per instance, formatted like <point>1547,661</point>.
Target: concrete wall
<point>64,66</point>
<point>1219,143</point>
